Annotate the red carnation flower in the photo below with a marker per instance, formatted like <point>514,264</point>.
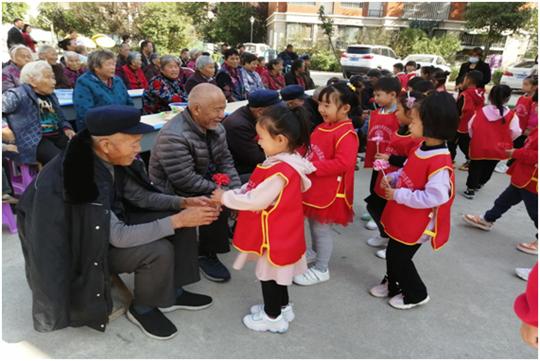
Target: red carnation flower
<point>157,84</point>
<point>221,179</point>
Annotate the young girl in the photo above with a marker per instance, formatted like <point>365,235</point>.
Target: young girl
<point>270,224</point>
<point>401,143</point>
<point>419,199</point>
<point>333,153</point>
<point>438,78</point>
<point>525,107</point>
<point>492,130</point>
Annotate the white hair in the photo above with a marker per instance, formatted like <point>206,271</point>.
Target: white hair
<point>16,48</point>
<point>34,70</point>
<point>71,54</point>
<point>43,49</point>
<point>203,61</point>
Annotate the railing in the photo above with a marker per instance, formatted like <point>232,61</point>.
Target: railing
<point>426,11</point>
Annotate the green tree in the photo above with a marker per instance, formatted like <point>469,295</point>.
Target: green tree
<point>446,46</point>
<point>11,11</point>
<point>328,29</point>
<point>231,23</point>
<point>404,41</point>
<point>494,19</point>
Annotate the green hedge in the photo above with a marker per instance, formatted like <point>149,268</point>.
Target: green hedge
<point>496,77</point>
<point>324,60</point>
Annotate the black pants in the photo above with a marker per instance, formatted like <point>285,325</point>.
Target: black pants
<point>214,238</point>
<point>401,272</point>
<point>375,207</point>
<point>50,146</point>
<point>509,198</point>
<point>519,142</point>
<point>275,296</point>
<point>480,172</point>
<point>373,181</point>
<point>161,266</point>
<point>462,140</point>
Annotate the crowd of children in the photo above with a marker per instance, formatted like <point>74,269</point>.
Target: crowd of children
<point>411,131</point>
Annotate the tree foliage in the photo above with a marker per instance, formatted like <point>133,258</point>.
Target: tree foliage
<point>12,11</point>
<point>231,23</point>
<point>404,41</point>
<point>494,19</point>
<point>328,29</point>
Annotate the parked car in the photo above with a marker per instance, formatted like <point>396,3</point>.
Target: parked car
<point>513,75</point>
<point>256,48</point>
<point>358,59</point>
<point>428,60</point>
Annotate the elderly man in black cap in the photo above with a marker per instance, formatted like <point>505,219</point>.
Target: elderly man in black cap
<point>91,212</point>
<point>241,134</point>
<point>293,95</point>
<point>190,150</point>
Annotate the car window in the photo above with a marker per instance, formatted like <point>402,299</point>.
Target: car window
<point>392,54</point>
<point>384,52</point>
<point>440,61</point>
<point>376,51</point>
<point>358,50</point>
<point>524,64</point>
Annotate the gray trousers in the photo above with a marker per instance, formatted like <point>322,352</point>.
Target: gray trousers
<point>160,266</point>
<point>322,243</point>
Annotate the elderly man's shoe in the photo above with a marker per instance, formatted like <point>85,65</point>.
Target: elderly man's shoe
<point>189,301</point>
<point>212,268</point>
<point>153,323</point>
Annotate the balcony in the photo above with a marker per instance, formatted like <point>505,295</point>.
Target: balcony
<point>426,11</point>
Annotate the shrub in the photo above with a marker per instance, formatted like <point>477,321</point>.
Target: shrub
<point>496,77</point>
<point>324,60</point>
<point>453,74</point>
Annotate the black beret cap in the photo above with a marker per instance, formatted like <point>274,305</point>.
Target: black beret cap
<point>111,119</point>
<point>263,98</point>
<point>291,92</point>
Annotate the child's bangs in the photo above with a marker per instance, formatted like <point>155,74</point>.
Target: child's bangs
<point>330,95</point>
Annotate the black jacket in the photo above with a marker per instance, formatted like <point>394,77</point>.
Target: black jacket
<point>241,138</point>
<point>64,221</point>
<point>14,37</point>
<point>481,67</point>
<point>312,107</point>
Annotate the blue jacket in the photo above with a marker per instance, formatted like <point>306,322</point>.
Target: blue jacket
<point>21,108</point>
<point>91,92</point>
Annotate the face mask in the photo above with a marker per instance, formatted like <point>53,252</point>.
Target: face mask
<point>473,59</point>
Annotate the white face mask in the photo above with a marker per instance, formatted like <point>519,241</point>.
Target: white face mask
<point>473,59</point>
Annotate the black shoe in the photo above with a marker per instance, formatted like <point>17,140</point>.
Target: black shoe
<point>153,324</point>
<point>213,269</point>
<point>189,301</point>
<point>469,194</point>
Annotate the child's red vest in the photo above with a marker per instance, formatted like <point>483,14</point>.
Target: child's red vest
<point>280,228</point>
<point>325,190</point>
<point>400,145</point>
<point>490,139</point>
<point>407,225</point>
<point>523,110</point>
<point>525,173</point>
<point>380,125</point>
<point>473,101</point>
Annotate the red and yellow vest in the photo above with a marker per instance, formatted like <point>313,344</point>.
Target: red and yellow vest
<point>490,138</point>
<point>525,175</point>
<point>279,229</point>
<point>380,125</point>
<point>406,224</point>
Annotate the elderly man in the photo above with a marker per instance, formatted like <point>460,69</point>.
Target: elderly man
<point>189,150</point>
<point>241,134</point>
<point>94,212</point>
<point>206,69</point>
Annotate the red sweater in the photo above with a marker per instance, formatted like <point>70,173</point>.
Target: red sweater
<point>134,79</point>
<point>526,304</point>
<point>523,110</point>
<point>524,170</point>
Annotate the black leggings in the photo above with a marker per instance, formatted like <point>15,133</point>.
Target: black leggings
<point>462,140</point>
<point>50,146</point>
<point>375,207</point>
<point>275,296</point>
<point>480,172</point>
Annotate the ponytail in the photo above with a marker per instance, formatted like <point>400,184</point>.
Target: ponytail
<point>499,96</point>
<point>291,123</point>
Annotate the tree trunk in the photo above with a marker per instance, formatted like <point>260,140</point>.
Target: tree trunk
<point>332,46</point>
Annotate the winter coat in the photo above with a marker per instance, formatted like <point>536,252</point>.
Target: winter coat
<point>185,157</point>
<point>21,108</point>
<point>11,75</point>
<point>196,79</point>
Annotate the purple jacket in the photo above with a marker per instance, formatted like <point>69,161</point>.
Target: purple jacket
<point>10,77</point>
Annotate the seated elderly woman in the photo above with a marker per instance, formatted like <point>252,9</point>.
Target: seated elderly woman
<point>193,55</point>
<point>98,86</point>
<point>20,56</point>
<point>152,69</point>
<point>165,88</point>
<point>206,69</point>
<point>132,74</point>
<point>73,69</point>
<point>50,55</point>
<point>34,115</point>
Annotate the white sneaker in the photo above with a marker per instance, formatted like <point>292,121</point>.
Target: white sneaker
<point>261,322</point>
<point>398,302</point>
<point>501,167</point>
<point>287,311</point>
<point>380,291</point>
<point>381,253</point>
<point>377,241</point>
<point>365,216</point>
<point>311,255</point>
<point>311,277</point>
<point>523,273</point>
<point>371,225</point>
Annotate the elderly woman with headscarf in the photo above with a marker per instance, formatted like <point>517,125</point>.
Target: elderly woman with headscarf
<point>34,115</point>
<point>152,69</point>
<point>132,74</point>
<point>20,56</point>
<point>206,69</point>
<point>98,86</point>
<point>165,88</point>
<point>73,69</point>
<point>50,55</point>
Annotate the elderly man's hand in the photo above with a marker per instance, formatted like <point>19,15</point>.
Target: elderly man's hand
<point>69,133</point>
<point>196,202</point>
<point>194,217</point>
<point>11,148</point>
<point>7,135</point>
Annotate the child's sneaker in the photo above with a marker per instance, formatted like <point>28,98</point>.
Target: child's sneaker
<point>377,241</point>
<point>311,277</point>
<point>501,167</point>
<point>398,302</point>
<point>477,221</point>
<point>365,216</point>
<point>287,311</point>
<point>371,225</point>
<point>381,253</point>
<point>261,322</point>
<point>523,273</point>
<point>469,193</point>
<point>529,248</point>
<point>381,290</point>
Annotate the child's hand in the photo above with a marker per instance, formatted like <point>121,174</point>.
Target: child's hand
<point>7,135</point>
<point>69,133</point>
<point>388,190</point>
<point>11,148</point>
<point>197,202</point>
<point>382,156</point>
<point>509,152</point>
<point>217,195</point>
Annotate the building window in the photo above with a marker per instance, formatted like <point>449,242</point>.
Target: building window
<point>426,11</point>
<point>355,5</point>
<point>308,3</point>
<point>347,35</point>
<point>375,9</point>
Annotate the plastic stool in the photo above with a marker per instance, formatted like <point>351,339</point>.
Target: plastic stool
<point>8,218</point>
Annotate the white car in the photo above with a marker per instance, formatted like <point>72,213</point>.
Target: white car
<point>428,60</point>
<point>358,59</point>
<point>256,48</point>
<point>513,75</point>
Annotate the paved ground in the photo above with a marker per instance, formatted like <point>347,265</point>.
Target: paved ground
<point>470,281</point>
